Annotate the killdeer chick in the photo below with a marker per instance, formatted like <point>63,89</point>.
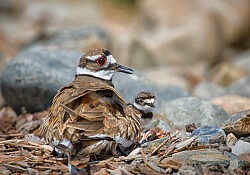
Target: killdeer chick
<point>88,116</point>
<point>144,102</point>
<point>142,108</point>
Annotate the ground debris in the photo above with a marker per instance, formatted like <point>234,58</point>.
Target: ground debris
<point>22,152</point>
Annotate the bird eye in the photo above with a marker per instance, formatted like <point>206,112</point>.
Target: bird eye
<point>101,61</point>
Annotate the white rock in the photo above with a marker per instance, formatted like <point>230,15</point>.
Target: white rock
<point>241,147</point>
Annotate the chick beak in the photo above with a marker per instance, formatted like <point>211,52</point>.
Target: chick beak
<point>121,68</point>
<point>151,105</point>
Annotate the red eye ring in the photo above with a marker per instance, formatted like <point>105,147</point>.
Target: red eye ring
<point>101,61</point>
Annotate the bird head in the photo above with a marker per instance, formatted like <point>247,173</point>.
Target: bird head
<point>100,63</point>
<point>144,101</point>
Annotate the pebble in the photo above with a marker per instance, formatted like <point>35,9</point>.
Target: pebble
<point>186,110</point>
<point>231,140</point>
<point>241,147</point>
<point>209,135</point>
<point>205,156</point>
<point>238,124</point>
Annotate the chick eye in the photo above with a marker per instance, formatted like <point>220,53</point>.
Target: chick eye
<point>101,61</point>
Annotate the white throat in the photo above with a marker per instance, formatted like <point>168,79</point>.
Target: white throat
<point>102,74</point>
<point>145,108</point>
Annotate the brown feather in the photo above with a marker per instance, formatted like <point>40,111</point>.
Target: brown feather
<point>87,107</point>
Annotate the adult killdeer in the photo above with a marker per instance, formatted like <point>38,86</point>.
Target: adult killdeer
<point>89,116</point>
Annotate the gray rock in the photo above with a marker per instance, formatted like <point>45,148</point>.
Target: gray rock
<point>77,39</point>
<point>189,170</point>
<point>243,61</point>
<point>32,78</point>
<point>208,90</point>
<point>209,135</point>
<point>241,147</point>
<point>186,110</point>
<point>158,123</point>
<point>204,156</point>
<point>130,85</point>
<point>3,62</point>
<point>234,165</point>
<point>238,124</point>
<point>240,87</point>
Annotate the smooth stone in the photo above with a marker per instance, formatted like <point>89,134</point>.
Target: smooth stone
<point>175,40</point>
<point>240,87</point>
<point>234,164</point>
<point>78,39</point>
<point>245,159</point>
<point>241,147</point>
<point>204,156</point>
<point>3,62</point>
<point>243,60</point>
<point>186,110</point>
<point>131,85</point>
<point>232,103</point>
<point>209,135</point>
<point>207,90</point>
<point>238,124</point>
<point>32,79</point>
<point>225,74</point>
<point>189,170</point>
<point>231,140</point>
<point>158,123</point>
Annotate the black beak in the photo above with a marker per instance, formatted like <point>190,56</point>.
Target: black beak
<point>151,104</point>
<point>121,68</point>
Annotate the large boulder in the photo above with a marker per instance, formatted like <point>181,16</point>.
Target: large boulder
<point>32,79</point>
<point>186,110</point>
<point>240,87</point>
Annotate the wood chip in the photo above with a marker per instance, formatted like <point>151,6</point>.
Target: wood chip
<point>170,163</point>
<point>15,168</point>
<point>184,144</point>
<point>161,145</point>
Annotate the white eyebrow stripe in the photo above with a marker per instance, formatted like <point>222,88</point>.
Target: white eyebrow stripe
<point>94,57</point>
<point>151,100</point>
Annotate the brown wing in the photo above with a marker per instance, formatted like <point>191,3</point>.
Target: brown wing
<point>93,114</point>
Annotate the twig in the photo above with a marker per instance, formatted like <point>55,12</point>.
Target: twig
<point>128,158</point>
<point>124,170</point>
<point>144,158</point>
<point>11,135</point>
<point>151,165</point>
<point>156,168</point>
<point>8,141</point>
<point>161,145</point>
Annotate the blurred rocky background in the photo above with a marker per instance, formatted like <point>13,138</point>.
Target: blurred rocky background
<point>196,50</point>
<point>193,55</point>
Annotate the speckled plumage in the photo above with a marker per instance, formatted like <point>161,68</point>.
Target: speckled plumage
<point>90,113</point>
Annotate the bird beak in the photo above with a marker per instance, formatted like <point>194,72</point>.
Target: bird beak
<point>121,68</point>
<point>152,105</point>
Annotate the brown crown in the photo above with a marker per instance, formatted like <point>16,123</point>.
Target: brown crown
<point>93,52</point>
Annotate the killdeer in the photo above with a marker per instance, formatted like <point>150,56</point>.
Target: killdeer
<point>142,109</point>
<point>144,102</point>
<point>88,116</point>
